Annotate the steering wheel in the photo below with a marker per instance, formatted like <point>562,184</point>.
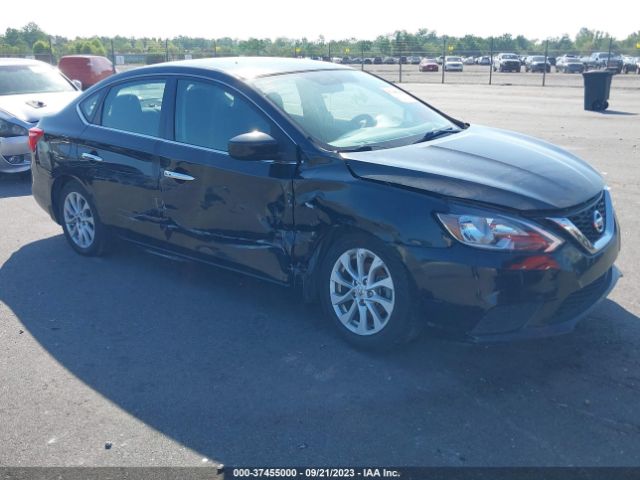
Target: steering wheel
<point>363,120</point>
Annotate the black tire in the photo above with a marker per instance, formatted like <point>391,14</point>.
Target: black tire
<point>401,325</point>
<point>100,239</point>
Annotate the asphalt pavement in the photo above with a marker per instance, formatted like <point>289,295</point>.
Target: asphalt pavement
<point>137,360</point>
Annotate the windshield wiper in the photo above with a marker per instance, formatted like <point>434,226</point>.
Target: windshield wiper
<point>363,148</point>
<point>433,134</point>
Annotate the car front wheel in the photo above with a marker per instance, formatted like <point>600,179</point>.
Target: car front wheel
<point>365,289</point>
<point>82,227</point>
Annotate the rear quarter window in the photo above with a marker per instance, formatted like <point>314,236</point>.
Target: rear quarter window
<point>89,107</point>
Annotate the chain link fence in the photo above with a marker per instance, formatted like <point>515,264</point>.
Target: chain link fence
<point>406,63</point>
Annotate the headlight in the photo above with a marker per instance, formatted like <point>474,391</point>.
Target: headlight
<point>499,233</point>
<point>8,129</point>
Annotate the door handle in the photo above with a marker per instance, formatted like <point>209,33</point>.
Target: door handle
<point>91,156</point>
<point>178,176</point>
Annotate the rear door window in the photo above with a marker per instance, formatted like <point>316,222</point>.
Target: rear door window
<point>135,107</point>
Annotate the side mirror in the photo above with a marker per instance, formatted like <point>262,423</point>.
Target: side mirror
<point>77,83</point>
<point>253,146</point>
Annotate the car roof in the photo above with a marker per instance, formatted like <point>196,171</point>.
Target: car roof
<point>246,67</point>
<point>20,61</point>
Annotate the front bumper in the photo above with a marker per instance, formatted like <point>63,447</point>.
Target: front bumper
<point>574,68</point>
<point>491,296</point>
<point>512,67</point>
<point>571,310</point>
<point>539,68</point>
<point>14,154</point>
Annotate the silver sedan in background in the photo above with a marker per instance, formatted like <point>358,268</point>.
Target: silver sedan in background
<point>29,90</point>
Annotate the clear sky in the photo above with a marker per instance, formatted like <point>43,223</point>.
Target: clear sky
<point>335,19</point>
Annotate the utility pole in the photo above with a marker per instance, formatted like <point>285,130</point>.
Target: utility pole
<point>491,61</point>
<point>50,51</point>
<point>113,57</point>
<point>546,54</point>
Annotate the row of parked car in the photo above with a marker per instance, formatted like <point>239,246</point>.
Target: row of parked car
<point>511,62</point>
<point>567,63</point>
<point>506,62</point>
<point>410,60</point>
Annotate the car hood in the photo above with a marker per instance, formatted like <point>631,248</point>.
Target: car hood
<point>486,165</point>
<point>31,107</point>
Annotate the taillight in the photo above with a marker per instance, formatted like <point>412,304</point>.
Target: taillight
<point>35,134</point>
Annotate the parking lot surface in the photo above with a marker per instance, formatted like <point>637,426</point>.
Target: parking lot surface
<point>137,360</point>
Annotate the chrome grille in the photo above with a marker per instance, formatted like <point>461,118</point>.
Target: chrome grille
<point>583,220</point>
<point>581,227</point>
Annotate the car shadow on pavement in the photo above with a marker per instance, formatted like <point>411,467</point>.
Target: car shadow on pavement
<point>239,371</point>
<point>15,185</point>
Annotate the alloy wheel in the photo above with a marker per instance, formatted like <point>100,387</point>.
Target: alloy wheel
<point>362,291</point>
<point>79,220</point>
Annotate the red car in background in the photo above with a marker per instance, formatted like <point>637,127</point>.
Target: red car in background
<point>88,69</point>
<point>428,65</point>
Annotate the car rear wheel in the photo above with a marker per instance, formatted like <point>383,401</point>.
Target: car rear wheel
<point>365,289</point>
<point>82,227</point>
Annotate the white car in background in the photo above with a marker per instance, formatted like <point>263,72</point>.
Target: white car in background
<point>29,90</point>
<point>453,64</point>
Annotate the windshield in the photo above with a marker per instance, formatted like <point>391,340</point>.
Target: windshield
<point>346,109</point>
<point>453,59</point>
<point>21,79</point>
<point>510,56</point>
<point>537,59</point>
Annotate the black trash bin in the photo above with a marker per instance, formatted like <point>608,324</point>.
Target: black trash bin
<point>597,85</point>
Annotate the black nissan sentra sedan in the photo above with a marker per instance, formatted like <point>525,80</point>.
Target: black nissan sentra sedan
<point>389,212</point>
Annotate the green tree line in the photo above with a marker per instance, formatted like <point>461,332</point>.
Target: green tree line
<point>31,39</point>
